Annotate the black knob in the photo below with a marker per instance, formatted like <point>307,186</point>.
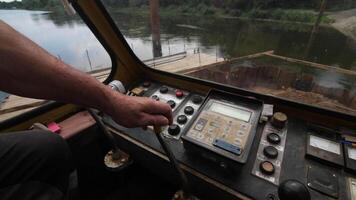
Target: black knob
<point>171,103</point>
<point>279,120</point>
<point>163,89</point>
<point>197,99</point>
<point>270,152</point>
<point>293,190</point>
<point>155,97</point>
<point>273,138</point>
<point>189,110</point>
<point>267,167</point>
<point>173,129</point>
<point>182,119</point>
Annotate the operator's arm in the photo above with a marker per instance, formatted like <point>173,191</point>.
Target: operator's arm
<point>28,70</point>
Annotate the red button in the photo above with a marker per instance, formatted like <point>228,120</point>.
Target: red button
<point>179,93</point>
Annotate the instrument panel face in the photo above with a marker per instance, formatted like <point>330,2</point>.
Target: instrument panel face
<point>225,125</point>
<point>220,121</point>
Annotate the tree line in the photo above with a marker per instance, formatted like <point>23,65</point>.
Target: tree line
<point>32,4</point>
<point>218,4</point>
<point>239,4</point>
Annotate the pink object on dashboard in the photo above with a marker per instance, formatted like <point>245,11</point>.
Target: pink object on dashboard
<point>54,127</point>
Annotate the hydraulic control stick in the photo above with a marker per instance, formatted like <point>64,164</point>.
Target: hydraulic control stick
<point>115,159</point>
<point>185,194</point>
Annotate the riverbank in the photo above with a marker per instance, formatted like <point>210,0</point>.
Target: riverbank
<point>283,15</point>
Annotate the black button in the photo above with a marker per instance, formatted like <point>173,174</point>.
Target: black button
<point>171,103</point>
<point>270,152</point>
<point>146,84</point>
<point>197,99</point>
<point>163,89</point>
<point>189,110</point>
<point>182,119</point>
<point>273,138</point>
<point>267,167</point>
<point>173,129</point>
<point>155,97</point>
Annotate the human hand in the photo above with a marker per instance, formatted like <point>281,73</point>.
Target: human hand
<point>132,111</point>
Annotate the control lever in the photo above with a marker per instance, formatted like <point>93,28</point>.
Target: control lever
<point>293,190</point>
<point>185,194</point>
<point>115,159</point>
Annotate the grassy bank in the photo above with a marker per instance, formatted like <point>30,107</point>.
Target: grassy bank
<point>288,15</point>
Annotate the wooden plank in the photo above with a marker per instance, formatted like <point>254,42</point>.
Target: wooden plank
<point>6,116</point>
<point>20,107</point>
<point>190,62</point>
<point>220,62</point>
<point>14,104</point>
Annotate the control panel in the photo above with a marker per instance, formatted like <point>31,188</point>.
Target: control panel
<point>282,156</point>
<point>184,104</point>
<point>269,156</point>
<point>225,126</point>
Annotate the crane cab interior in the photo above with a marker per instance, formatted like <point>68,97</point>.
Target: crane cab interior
<point>229,141</point>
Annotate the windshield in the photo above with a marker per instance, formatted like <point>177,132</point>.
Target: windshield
<point>304,51</point>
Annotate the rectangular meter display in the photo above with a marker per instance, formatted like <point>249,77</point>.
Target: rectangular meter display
<point>230,111</point>
<point>325,144</point>
<point>224,127</point>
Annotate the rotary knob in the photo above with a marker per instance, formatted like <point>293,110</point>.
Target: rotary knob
<point>163,89</point>
<point>171,103</point>
<point>173,129</point>
<point>267,167</point>
<point>182,119</point>
<point>197,99</point>
<point>279,120</point>
<point>189,110</point>
<point>273,138</point>
<point>270,152</point>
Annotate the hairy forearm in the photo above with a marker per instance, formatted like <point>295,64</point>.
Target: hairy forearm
<point>28,70</point>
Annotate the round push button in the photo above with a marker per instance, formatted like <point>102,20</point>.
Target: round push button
<point>279,120</point>
<point>189,110</point>
<point>197,99</point>
<point>163,89</point>
<point>267,167</point>
<point>173,129</point>
<point>171,103</point>
<point>270,152</point>
<point>155,97</point>
<point>273,138</point>
<point>179,93</point>
<point>182,119</point>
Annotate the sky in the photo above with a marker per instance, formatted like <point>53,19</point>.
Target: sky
<point>8,0</point>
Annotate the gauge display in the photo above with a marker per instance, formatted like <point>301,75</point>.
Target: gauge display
<point>230,111</point>
<point>325,144</point>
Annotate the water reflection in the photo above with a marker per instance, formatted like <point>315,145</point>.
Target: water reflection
<point>234,38</point>
<point>67,38</point>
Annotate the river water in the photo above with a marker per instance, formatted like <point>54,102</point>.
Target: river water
<point>69,39</point>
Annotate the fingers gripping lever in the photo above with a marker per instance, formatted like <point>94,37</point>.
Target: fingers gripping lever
<point>115,159</point>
